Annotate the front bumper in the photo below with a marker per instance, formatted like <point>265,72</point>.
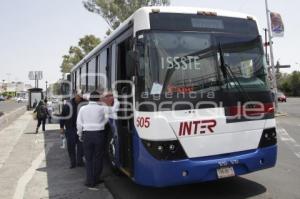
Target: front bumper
<point>149,171</point>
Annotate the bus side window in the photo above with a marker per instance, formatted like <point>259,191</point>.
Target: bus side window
<point>96,71</point>
<point>80,78</point>
<point>109,67</point>
<point>102,71</point>
<point>91,74</point>
<point>87,77</point>
<point>75,80</point>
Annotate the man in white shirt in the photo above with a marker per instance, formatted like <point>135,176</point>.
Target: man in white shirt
<point>91,121</point>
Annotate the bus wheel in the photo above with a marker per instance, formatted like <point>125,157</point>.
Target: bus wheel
<point>111,154</point>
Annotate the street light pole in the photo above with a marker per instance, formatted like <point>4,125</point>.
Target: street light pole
<point>46,88</point>
<point>274,83</point>
<point>3,84</point>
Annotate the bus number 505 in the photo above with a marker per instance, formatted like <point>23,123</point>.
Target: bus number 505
<point>143,122</point>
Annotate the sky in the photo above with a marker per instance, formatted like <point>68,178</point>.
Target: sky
<point>35,34</point>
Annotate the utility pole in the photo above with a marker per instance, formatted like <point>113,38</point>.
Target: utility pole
<point>266,45</point>
<point>274,83</point>
<point>37,79</point>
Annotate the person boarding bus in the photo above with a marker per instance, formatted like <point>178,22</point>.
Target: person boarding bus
<point>68,127</point>
<point>91,121</point>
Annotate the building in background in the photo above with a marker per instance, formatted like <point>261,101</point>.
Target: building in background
<point>14,89</point>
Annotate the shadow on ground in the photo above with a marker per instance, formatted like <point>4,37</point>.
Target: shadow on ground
<point>237,187</point>
<point>66,183</point>
<point>53,179</point>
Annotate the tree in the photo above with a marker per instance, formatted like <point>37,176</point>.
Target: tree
<point>116,11</point>
<point>290,83</point>
<point>55,89</point>
<point>66,65</point>
<point>295,83</point>
<point>76,53</point>
<point>88,43</point>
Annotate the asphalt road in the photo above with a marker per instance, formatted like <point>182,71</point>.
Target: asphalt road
<point>33,166</point>
<point>8,106</point>
<point>282,181</point>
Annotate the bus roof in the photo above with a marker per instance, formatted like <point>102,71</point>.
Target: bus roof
<point>141,22</point>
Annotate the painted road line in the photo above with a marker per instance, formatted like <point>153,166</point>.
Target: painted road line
<point>286,137</point>
<point>10,135</point>
<point>291,142</point>
<point>27,176</point>
<point>11,116</point>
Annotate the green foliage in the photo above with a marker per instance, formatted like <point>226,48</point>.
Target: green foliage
<point>116,11</point>
<point>76,53</point>
<point>88,43</point>
<point>59,88</point>
<point>9,94</point>
<point>290,83</point>
<point>56,88</point>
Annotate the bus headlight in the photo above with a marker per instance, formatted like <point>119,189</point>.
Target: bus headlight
<point>268,138</point>
<point>165,150</point>
<point>160,148</point>
<point>172,147</point>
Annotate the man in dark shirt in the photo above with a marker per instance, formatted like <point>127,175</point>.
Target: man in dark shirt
<point>68,127</point>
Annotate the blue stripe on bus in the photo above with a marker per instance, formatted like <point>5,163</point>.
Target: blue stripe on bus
<point>151,172</point>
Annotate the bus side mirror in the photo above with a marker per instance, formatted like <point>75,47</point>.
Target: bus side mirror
<point>131,63</point>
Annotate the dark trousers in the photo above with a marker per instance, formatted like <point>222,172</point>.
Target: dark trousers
<point>94,145</point>
<point>41,121</point>
<point>74,146</point>
<point>49,119</point>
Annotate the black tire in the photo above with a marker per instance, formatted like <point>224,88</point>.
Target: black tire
<point>110,153</point>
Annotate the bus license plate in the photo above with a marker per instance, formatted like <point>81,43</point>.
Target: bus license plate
<point>225,172</point>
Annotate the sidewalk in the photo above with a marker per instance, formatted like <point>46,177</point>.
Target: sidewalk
<point>34,166</point>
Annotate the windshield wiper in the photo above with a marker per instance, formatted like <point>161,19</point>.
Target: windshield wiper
<point>227,72</point>
<point>222,63</point>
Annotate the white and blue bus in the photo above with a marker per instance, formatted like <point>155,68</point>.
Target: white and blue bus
<point>194,84</point>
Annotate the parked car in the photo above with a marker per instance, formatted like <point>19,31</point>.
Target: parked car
<point>2,98</point>
<point>20,100</point>
<point>281,97</point>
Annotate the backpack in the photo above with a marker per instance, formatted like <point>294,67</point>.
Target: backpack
<point>42,112</point>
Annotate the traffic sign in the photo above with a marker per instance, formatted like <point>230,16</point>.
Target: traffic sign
<point>35,75</point>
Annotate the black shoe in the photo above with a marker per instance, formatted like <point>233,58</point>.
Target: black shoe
<point>72,167</point>
<point>89,185</point>
<point>99,182</point>
<point>80,164</point>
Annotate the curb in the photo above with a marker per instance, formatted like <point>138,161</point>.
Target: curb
<point>7,118</point>
<point>280,114</point>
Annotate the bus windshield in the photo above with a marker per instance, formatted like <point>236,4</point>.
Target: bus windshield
<point>183,62</point>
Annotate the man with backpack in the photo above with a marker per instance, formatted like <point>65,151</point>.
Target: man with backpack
<point>42,113</point>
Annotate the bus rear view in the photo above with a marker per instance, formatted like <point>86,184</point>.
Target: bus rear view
<point>203,109</point>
